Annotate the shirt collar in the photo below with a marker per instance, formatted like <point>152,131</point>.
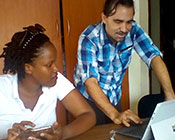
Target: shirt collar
<point>15,92</point>
<point>15,87</point>
<point>103,35</point>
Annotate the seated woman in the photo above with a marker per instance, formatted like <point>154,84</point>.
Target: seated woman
<point>30,87</point>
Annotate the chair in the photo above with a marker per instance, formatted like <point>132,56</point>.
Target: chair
<point>148,103</point>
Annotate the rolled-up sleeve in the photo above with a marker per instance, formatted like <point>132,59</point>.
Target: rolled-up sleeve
<point>144,46</point>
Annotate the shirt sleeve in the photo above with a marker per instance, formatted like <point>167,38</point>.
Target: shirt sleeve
<point>62,87</point>
<point>144,46</point>
<point>87,61</point>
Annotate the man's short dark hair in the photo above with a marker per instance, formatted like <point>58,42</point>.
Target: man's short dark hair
<point>111,5</point>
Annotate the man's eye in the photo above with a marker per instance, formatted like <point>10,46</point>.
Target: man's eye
<point>130,22</point>
<point>118,22</point>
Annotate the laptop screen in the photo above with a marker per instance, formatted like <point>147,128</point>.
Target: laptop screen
<point>163,111</point>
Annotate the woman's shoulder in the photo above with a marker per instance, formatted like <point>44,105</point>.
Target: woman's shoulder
<point>63,86</point>
<point>7,82</point>
<point>6,78</point>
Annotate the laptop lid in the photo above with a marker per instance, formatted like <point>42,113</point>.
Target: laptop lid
<point>164,130</point>
<point>163,111</point>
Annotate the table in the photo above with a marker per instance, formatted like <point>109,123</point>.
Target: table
<point>102,132</point>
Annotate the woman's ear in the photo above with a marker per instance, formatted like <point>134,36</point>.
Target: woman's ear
<point>28,68</point>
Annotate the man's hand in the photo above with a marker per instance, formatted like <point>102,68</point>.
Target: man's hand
<point>172,97</point>
<point>126,117</point>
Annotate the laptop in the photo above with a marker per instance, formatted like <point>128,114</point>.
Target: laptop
<point>164,130</point>
<point>162,112</point>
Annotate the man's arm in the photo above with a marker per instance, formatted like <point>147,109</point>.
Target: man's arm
<point>99,97</point>
<point>162,74</point>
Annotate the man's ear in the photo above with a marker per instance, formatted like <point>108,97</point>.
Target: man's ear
<point>103,17</point>
<point>28,68</point>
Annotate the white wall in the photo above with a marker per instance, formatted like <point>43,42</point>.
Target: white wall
<point>138,71</point>
<point>155,35</point>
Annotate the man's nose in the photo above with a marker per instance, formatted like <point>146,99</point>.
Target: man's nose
<point>124,27</point>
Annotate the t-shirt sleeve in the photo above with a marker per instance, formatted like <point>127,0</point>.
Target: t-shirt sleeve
<point>62,87</point>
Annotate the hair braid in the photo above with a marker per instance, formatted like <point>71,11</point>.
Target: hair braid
<point>18,53</point>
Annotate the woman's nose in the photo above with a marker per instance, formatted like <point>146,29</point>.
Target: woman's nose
<point>55,68</point>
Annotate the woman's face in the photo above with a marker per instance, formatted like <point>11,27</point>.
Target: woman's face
<point>43,68</point>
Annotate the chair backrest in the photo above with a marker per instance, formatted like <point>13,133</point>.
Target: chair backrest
<point>148,103</point>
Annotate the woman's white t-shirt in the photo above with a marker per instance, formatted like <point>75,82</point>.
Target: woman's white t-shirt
<point>12,109</point>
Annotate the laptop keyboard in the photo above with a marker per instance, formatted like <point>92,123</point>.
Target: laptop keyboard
<point>135,130</point>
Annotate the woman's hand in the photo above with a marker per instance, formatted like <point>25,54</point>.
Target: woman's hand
<point>18,129</point>
<point>56,133</point>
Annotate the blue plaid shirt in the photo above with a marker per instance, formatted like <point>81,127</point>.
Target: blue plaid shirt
<point>98,57</point>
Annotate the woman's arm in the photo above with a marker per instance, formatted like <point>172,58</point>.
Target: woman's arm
<point>84,115</point>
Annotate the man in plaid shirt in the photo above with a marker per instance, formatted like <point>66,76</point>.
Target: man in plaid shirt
<point>104,53</point>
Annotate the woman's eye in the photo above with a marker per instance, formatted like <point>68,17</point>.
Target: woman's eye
<point>49,65</point>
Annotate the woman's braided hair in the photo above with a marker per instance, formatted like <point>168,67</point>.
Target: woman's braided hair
<point>22,49</point>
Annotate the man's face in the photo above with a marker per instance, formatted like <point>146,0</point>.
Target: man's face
<point>119,24</point>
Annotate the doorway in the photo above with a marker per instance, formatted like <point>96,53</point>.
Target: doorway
<point>167,30</point>
<point>162,32</point>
